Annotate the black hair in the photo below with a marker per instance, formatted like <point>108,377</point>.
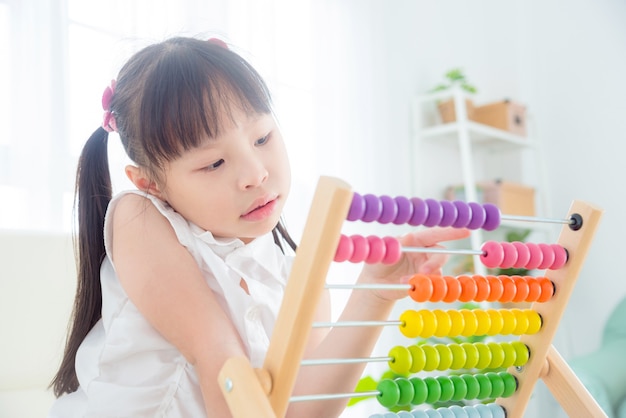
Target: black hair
<point>168,98</point>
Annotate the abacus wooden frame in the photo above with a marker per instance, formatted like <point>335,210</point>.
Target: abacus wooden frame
<point>265,392</point>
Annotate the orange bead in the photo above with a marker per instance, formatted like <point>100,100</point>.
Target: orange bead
<point>482,288</point>
<point>468,288</point>
<point>547,289</point>
<point>521,289</point>
<point>454,289</point>
<point>421,288</point>
<point>509,289</point>
<point>495,288</point>
<point>534,289</point>
<point>440,288</point>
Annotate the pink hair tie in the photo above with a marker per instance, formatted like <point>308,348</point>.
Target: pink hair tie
<point>108,122</point>
<point>218,42</point>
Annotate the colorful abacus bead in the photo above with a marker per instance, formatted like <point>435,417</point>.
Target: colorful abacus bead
<point>523,255</point>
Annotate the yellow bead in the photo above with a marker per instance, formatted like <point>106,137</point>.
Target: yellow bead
<point>429,323</point>
<point>509,354</point>
<point>459,356</point>
<point>411,324</point>
<point>472,355</point>
<point>522,353</point>
<point>497,355</point>
<point>508,322</point>
<point>497,322</point>
<point>534,321</point>
<point>400,360</point>
<point>418,358</point>
<point>457,322</point>
<point>444,323</point>
<point>445,356</point>
<point>484,355</point>
<point>521,322</point>
<point>484,322</point>
<point>432,358</point>
<point>471,323</point>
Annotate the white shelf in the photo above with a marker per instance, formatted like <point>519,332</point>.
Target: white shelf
<point>478,133</point>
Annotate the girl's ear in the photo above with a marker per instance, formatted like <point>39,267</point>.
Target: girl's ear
<point>142,181</point>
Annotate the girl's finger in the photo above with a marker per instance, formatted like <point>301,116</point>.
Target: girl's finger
<point>433,236</point>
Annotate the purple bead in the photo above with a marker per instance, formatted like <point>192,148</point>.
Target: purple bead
<point>390,210</point>
<point>405,210</point>
<point>478,216</point>
<point>357,208</point>
<point>463,215</point>
<point>435,213</point>
<point>449,213</point>
<point>373,208</point>
<point>493,217</point>
<point>420,212</point>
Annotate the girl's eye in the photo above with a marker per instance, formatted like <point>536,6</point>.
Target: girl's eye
<point>214,166</point>
<point>262,141</point>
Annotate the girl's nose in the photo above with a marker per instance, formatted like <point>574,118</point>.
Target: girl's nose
<point>253,174</point>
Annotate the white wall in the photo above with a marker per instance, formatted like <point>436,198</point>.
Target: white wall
<point>565,60</point>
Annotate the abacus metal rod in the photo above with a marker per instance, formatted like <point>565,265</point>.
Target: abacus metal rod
<point>322,397</point>
<point>355,323</point>
<point>326,361</point>
<point>522,218</point>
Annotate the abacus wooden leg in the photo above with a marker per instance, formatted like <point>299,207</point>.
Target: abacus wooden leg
<point>567,389</point>
<point>577,241</point>
<point>243,389</point>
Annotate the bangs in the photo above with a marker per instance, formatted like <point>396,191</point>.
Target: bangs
<point>190,93</point>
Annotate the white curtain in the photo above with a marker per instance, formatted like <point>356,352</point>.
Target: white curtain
<point>58,56</point>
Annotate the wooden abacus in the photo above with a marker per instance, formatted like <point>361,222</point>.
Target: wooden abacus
<point>266,392</point>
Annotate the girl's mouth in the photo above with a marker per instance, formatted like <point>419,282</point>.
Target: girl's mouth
<point>262,210</point>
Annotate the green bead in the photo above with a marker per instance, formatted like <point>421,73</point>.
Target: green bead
<point>510,384</point>
<point>445,356</point>
<point>400,360</point>
<point>497,385</point>
<point>485,386</point>
<point>497,355</point>
<point>522,353</point>
<point>418,358</point>
<point>484,355</point>
<point>472,355</point>
<point>407,392</point>
<point>460,388</point>
<point>389,393</point>
<point>473,387</point>
<point>420,390</point>
<point>447,388</point>
<point>432,358</point>
<point>434,390</point>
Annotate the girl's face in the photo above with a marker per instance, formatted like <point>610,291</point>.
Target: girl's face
<point>234,185</point>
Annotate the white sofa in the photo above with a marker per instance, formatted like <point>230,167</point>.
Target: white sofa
<point>37,284</point>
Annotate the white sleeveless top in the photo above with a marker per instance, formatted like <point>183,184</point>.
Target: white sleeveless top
<point>127,369</point>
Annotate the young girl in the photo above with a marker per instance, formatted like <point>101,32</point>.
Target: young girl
<point>189,269</point>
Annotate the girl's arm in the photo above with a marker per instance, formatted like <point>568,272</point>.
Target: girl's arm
<point>163,280</point>
<point>363,305</point>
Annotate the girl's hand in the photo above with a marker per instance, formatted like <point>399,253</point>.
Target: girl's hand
<point>411,263</point>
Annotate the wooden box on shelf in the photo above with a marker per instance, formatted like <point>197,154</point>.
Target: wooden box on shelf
<point>510,197</point>
<point>505,115</point>
<point>448,112</point>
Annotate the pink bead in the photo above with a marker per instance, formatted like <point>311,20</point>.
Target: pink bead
<point>548,257</point>
<point>393,252</point>
<point>377,250</point>
<point>560,256</point>
<point>344,249</point>
<point>536,256</point>
<point>523,255</point>
<point>493,254</point>
<point>510,255</point>
<point>361,248</point>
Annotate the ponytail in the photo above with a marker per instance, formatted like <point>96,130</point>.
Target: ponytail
<point>92,195</point>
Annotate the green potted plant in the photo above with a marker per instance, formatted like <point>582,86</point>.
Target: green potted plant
<point>454,78</point>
